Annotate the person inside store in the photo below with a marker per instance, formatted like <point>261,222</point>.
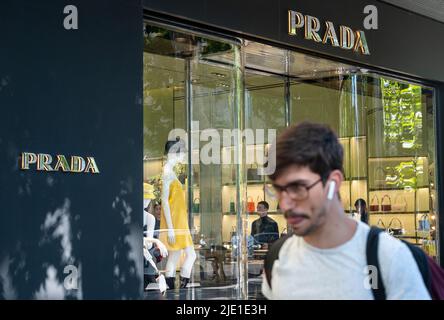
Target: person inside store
<point>361,210</point>
<point>147,206</point>
<point>157,210</point>
<point>153,249</point>
<point>264,230</point>
<point>325,257</point>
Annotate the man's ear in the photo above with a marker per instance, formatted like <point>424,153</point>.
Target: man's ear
<point>337,177</point>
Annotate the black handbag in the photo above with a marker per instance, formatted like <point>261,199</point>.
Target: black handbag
<point>155,253</point>
<point>253,174</point>
<point>395,231</point>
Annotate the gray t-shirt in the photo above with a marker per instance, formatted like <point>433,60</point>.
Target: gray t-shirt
<point>305,272</point>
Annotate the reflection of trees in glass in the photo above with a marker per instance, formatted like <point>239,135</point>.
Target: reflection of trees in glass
<point>211,46</point>
<point>166,42</point>
<point>353,97</point>
<point>164,80</point>
<point>158,103</point>
<point>402,118</point>
<point>266,108</point>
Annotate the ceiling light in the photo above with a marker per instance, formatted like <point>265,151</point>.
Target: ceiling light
<point>219,75</point>
<point>181,39</point>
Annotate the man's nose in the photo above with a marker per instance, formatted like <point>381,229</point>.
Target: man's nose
<point>286,202</point>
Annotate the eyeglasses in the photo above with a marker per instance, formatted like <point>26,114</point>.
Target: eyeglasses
<point>295,190</point>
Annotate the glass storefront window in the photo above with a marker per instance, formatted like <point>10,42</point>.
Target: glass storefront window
<point>208,86</point>
<point>191,84</point>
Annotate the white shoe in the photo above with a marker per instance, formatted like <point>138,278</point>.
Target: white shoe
<point>152,286</point>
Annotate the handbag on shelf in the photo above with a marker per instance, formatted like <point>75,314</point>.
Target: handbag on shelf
<point>228,174</point>
<point>379,177</point>
<point>253,174</point>
<point>232,206</point>
<point>385,207</point>
<point>250,205</point>
<point>396,231</point>
<point>381,224</point>
<point>424,223</point>
<point>374,206</point>
<point>399,206</point>
<point>196,205</point>
<point>429,247</point>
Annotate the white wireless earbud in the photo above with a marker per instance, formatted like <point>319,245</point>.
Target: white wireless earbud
<point>331,190</point>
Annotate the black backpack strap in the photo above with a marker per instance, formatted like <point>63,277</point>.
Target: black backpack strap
<point>372,260</point>
<point>272,256</point>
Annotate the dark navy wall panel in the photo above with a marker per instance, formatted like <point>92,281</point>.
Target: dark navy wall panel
<point>79,93</point>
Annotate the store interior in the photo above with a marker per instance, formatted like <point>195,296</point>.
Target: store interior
<point>386,127</point>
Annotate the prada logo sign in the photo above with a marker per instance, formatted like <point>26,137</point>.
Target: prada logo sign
<point>348,39</point>
<point>45,162</point>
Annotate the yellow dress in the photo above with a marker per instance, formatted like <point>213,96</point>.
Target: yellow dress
<point>179,218</point>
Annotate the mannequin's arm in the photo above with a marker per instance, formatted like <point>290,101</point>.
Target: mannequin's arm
<point>151,223</point>
<point>166,209</point>
<point>148,242</point>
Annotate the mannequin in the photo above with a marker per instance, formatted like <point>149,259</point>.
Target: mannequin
<point>174,218</point>
<point>148,241</point>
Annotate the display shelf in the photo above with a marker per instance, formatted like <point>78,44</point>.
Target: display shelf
<point>352,137</point>
<point>355,179</point>
<point>252,183</point>
<point>397,157</point>
<point>365,177</point>
<point>255,182</point>
<point>401,212</point>
<point>267,145</point>
<point>407,237</point>
<point>270,213</point>
<point>396,189</point>
<point>424,233</point>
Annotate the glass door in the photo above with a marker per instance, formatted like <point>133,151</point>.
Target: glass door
<point>385,125</point>
<point>193,94</point>
<point>216,95</point>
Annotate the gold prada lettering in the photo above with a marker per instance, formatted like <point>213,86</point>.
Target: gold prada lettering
<point>361,42</point>
<point>91,165</point>
<point>348,39</point>
<point>27,158</point>
<point>77,164</point>
<point>62,163</point>
<point>312,27</point>
<point>330,34</point>
<point>295,21</point>
<point>44,162</point>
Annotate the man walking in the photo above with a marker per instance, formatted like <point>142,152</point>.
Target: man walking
<point>325,257</point>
